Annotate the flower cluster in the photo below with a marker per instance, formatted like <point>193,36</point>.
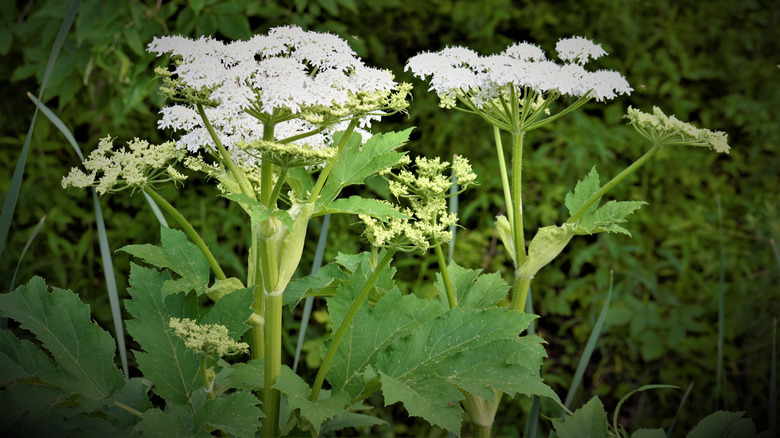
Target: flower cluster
<point>426,190</point>
<point>207,338</point>
<point>460,73</point>
<point>139,164</point>
<point>290,79</point>
<point>660,128</point>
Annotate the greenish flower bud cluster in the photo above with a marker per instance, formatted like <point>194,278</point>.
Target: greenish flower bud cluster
<point>176,90</point>
<point>660,128</point>
<point>137,165</point>
<point>207,338</point>
<point>288,155</point>
<point>426,191</point>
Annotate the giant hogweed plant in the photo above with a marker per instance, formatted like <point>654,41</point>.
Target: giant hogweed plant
<point>279,123</point>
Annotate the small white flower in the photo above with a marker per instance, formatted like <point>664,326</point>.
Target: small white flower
<point>578,49</point>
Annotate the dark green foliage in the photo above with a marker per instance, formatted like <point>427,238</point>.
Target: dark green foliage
<point>713,63</point>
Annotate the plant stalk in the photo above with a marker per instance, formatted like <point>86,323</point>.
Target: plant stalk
<point>204,374</point>
<point>315,193</point>
<point>238,174</point>
<point>517,197</point>
<point>273,363</point>
<point>445,276</point>
<point>504,175</point>
<point>189,230</point>
<point>345,323</point>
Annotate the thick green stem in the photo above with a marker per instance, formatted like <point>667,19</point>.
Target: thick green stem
<point>517,197</point>
<point>334,345</point>
<point>189,230</point>
<point>608,186</point>
<point>273,362</point>
<point>255,279</point>
<point>481,412</point>
<point>520,296</point>
<point>238,174</point>
<point>278,186</point>
<point>204,374</point>
<point>504,176</point>
<point>445,276</point>
<point>315,193</point>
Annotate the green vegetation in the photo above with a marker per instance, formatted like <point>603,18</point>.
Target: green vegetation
<point>713,64</point>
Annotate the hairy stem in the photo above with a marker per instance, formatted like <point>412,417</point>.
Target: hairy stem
<point>504,175</point>
<point>273,363</point>
<point>520,296</point>
<point>204,374</point>
<point>445,276</point>
<point>315,193</point>
<point>334,345</point>
<point>517,197</point>
<point>238,174</point>
<point>189,230</point>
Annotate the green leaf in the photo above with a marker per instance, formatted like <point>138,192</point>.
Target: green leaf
<point>589,421</point>
<point>350,419</point>
<point>356,162</point>
<point>372,331</point>
<point>471,289</point>
<point>232,311</point>
<point>236,413</point>
<point>300,181</point>
<point>298,393</point>
<point>606,217</point>
<point>172,367</point>
<point>234,26</point>
<point>649,433</point>
<point>715,425</point>
<point>584,189</point>
<point>249,375</point>
<point>357,205</point>
<point>598,219</point>
<point>180,256</point>
<point>21,360</point>
<point>325,281</point>
<point>477,350</point>
<point>157,423</point>
<point>545,246</point>
<point>83,352</point>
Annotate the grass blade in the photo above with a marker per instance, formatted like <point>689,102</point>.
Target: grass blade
<point>589,347</point>
<point>309,303</point>
<point>9,204</point>
<point>616,414</point>
<point>156,210</point>
<point>679,409</point>
<point>113,294</point>
<point>773,382</point>
<point>721,310</point>
<point>4,320</point>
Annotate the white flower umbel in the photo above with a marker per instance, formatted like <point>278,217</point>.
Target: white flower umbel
<point>288,71</point>
<point>496,86</point>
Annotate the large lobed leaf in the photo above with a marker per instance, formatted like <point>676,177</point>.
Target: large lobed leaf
<point>165,361</point>
<point>315,412</point>
<point>471,349</point>
<point>83,352</point>
<point>180,256</point>
<point>357,205</point>
<point>588,421</point>
<point>356,162</point>
<point>472,289</point>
